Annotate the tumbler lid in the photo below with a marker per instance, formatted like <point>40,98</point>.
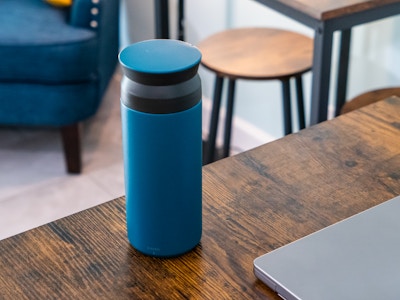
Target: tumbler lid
<point>160,61</point>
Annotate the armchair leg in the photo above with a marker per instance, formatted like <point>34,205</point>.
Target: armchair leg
<point>72,148</point>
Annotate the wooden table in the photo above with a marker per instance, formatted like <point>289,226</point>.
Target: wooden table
<point>252,203</point>
<point>326,17</point>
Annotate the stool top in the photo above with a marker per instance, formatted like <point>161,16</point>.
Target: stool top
<point>257,53</point>
<point>369,98</point>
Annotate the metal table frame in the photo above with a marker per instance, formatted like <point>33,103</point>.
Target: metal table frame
<point>323,40</point>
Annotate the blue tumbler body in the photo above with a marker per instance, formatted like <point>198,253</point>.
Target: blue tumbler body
<point>162,146</point>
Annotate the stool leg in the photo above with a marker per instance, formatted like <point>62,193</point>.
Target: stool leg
<point>228,118</point>
<point>212,135</point>
<point>300,102</point>
<point>287,117</point>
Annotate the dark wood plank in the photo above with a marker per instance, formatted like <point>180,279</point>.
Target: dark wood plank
<point>330,9</point>
<point>252,203</point>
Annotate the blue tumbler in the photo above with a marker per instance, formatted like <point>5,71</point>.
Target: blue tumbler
<point>162,146</point>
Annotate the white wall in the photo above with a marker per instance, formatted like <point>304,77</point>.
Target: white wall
<point>136,21</point>
<point>375,55</point>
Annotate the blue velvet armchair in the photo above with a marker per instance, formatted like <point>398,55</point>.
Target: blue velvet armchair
<point>55,64</point>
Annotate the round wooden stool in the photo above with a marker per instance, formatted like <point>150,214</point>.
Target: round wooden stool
<point>369,98</point>
<point>256,54</point>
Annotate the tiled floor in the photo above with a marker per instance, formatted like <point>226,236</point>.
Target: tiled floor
<point>34,187</point>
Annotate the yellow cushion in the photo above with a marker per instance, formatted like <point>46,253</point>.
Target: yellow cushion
<point>60,3</point>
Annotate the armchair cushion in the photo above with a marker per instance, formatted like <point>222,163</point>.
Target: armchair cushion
<point>48,105</point>
<point>38,42</point>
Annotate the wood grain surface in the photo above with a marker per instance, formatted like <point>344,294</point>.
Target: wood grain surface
<point>252,203</point>
<point>257,53</point>
<point>330,9</point>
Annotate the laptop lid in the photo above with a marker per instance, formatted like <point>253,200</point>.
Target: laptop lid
<point>357,258</point>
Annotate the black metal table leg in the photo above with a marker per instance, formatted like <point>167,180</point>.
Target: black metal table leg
<point>162,19</point>
<point>343,70</point>
<point>181,20</point>
<point>212,135</point>
<point>321,69</point>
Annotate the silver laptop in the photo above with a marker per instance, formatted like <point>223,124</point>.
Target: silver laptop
<point>357,258</point>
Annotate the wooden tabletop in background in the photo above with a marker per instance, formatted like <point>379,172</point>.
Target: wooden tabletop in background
<point>330,9</point>
<point>252,203</point>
